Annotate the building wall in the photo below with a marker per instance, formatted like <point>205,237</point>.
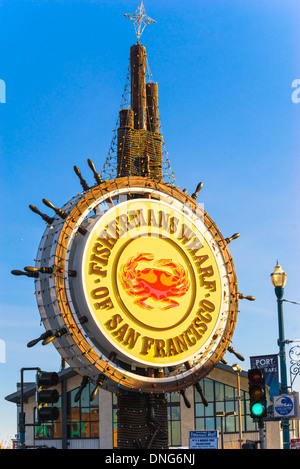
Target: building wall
<point>272,439</point>
<point>105,420</point>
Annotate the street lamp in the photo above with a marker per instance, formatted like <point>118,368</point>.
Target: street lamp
<point>238,369</point>
<point>278,279</point>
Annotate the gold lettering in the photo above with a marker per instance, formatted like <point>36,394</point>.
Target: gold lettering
<point>159,348</point>
<point>96,269</point>
<point>131,338</point>
<point>195,246</point>
<point>164,220</point>
<point>173,224</point>
<point>190,340</point>
<point>180,342</point>
<point>187,234</point>
<point>148,342</point>
<point>106,239</point>
<point>100,292</point>
<point>211,286</point>
<point>151,218</point>
<point>207,305</point>
<point>122,220</point>
<point>136,219</point>
<point>113,228</point>
<point>206,317</point>
<point>113,322</point>
<point>99,249</point>
<point>207,272</point>
<point>99,259</point>
<point>105,304</point>
<point>120,333</point>
<point>200,325</point>
<point>192,327</point>
<point>200,259</point>
<point>171,349</point>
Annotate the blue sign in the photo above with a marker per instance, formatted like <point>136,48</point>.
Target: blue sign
<point>269,363</point>
<point>284,406</point>
<point>204,439</point>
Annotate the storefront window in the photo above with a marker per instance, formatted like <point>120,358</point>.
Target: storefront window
<point>82,416</point>
<point>115,421</point>
<point>174,425</point>
<point>48,430</point>
<point>221,398</point>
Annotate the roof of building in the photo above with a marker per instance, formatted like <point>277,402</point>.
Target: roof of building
<point>30,388</point>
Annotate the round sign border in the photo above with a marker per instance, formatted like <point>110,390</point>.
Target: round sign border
<point>87,361</point>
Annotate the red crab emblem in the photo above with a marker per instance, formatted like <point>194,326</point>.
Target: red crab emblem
<point>154,283</point>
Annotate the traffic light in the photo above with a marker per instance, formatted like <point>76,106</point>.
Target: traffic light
<point>46,396</point>
<point>258,403</point>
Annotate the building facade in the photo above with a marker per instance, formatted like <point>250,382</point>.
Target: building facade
<point>86,424</point>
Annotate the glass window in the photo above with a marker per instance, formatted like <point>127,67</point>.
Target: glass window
<point>174,433</point>
<point>230,424</point>
<point>115,421</point>
<point>219,391</point>
<point>199,410</point>
<point>230,406</point>
<point>174,424</point>
<point>82,416</point>
<point>220,407</point>
<point>221,398</point>
<point>229,393</point>
<point>210,423</point>
<point>208,387</point>
<point>209,410</point>
<point>200,424</point>
<point>48,430</point>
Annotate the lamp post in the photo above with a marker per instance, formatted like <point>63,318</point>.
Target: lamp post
<point>278,279</point>
<point>238,369</point>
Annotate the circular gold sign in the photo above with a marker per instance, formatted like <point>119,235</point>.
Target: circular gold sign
<point>142,293</point>
<point>152,282</point>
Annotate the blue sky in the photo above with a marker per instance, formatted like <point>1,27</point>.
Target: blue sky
<point>224,70</point>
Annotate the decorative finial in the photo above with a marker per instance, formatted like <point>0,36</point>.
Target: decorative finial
<point>140,20</point>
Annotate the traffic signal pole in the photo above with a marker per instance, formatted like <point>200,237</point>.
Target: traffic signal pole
<point>22,423</point>
<point>44,379</point>
<point>258,403</point>
<point>261,429</point>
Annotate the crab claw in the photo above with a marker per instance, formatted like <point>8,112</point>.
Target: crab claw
<point>143,257</point>
<point>166,262</point>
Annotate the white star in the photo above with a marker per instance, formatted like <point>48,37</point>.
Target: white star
<point>140,20</point>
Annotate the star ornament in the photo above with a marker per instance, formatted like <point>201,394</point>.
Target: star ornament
<point>140,20</point>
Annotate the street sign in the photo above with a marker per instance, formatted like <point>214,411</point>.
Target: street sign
<point>203,439</point>
<point>269,363</point>
<point>284,406</point>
